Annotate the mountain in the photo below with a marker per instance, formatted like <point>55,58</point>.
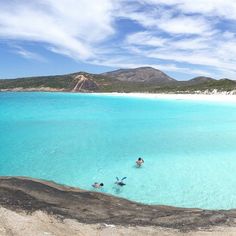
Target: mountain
<point>143,80</point>
<point>199,86</point>
<point>76,82</point>
<point>141,74</point>
<point>200,79</point>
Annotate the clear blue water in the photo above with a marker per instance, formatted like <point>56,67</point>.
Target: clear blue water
<point>76,139</point>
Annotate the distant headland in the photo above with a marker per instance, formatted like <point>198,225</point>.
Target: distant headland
<point>138,80</point>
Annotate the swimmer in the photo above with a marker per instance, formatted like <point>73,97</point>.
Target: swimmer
<point>97,185</point>
<point>139,162</point>
<point>120,182</point>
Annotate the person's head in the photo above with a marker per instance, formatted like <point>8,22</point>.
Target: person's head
<point>140,159</point>
<point>101,184</point>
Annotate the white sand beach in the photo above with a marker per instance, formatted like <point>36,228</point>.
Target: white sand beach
<point>219,97</point>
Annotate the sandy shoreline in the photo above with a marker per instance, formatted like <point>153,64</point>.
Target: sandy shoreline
<point>196,97</point>
<point>40,223</point>
<point>211,97</point>
<point>38,207</point>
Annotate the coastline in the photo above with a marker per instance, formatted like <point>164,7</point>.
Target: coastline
<point>218,97</point>
<point>33,207</point>
<point>222,97</point>
<point>39,223</point>
<point>201,96</point>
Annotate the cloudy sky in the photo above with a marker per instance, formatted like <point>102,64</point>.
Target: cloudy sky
<point>184,38</point>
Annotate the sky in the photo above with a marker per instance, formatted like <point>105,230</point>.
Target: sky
<point>183,38</point>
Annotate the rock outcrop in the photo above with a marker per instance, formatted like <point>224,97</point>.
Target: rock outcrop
<point>18,193</point>
<point>84,84</point>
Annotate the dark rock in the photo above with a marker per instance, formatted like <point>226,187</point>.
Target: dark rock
<point>18,193</point>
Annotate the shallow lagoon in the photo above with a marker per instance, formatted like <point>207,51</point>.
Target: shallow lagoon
<point>76,139</point>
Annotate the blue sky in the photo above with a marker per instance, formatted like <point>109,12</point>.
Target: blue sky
<point>183,38</point>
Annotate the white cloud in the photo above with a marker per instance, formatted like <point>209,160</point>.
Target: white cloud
<point>167,20</point>
<point>27,54</point>
<point>181,34</point>
<point>70,27</point>
<point>128,62</point>
<point>215,51</point>
<point>145,38</point>
<point>219,8</point>
<point>148,38</point>
<point>186,32</point>
<point>184,25</point>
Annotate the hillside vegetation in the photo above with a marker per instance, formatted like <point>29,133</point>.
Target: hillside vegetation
<point>134,80</point>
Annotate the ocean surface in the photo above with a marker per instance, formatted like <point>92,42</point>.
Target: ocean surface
<point>189,147</point>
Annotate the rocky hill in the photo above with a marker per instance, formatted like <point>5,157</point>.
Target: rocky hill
<point>141,74</point>
<point>143,80</point>
<point>200,80</point>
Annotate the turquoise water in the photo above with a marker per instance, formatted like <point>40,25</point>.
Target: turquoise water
<point>76,139</point>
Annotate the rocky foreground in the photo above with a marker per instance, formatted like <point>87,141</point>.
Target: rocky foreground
<point>36,207</point>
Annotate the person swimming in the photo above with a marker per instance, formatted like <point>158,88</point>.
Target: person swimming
<point>120,182</point>
<point>97,185</point>
<point>139,162</point>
